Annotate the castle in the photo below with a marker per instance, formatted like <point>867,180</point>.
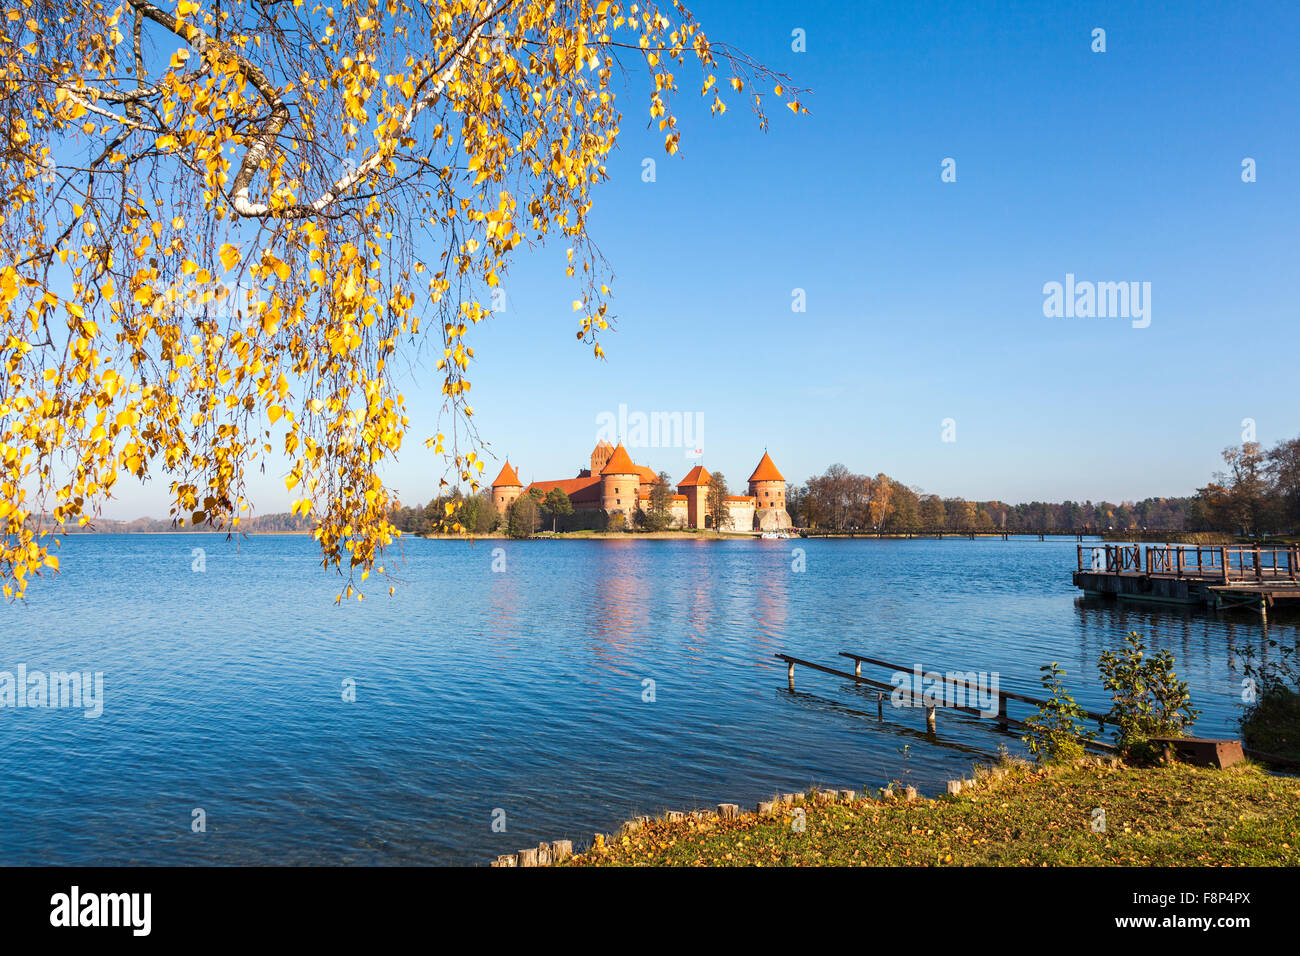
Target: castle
<point>616,485</point>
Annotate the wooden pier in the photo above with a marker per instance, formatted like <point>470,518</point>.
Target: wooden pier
<point>1259,577</point>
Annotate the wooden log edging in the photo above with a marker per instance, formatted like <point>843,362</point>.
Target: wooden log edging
<point>779,805</point>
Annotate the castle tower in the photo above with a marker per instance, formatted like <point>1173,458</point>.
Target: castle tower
<point>767,487</point>
<point>506,488</point>
<point>600,456</point>
<point>695,486</point>
<point>619,480</point>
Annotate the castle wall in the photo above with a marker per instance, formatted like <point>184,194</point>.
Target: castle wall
<point>772,519</point>
<point>504,496</point>
<point>618,493</point>
<point>742,515</point>
<point>681,513</point>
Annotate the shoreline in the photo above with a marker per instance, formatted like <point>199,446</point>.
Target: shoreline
<point>1011,813</point>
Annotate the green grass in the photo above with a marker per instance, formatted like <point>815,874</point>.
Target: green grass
<point>1160,816</point>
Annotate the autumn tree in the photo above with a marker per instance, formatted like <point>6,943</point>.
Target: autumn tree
<point>959,514</point>
<point>930,510</point>
<point>716,504</point>
<point>879,494</point>
<point>658,513</point>
<point>229,228</point>
<point>904,511</point>
<point>1284,474</point>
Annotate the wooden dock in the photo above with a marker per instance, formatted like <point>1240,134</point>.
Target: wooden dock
<point>1259,577</point>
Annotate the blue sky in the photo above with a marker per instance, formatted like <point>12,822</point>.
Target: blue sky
<point>924,298</point>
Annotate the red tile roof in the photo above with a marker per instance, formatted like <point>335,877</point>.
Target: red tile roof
<point>579,490</point>
<point>766,470</point>
<point>696,476</point>
<point>619,463</point>
<point>507,476</point>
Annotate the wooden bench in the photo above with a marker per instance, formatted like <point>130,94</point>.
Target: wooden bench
<point>1201,751</point>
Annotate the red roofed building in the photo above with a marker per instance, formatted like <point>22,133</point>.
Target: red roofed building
<point>615,484</point>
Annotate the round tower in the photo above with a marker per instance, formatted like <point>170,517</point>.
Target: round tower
<point>619,480</point>
<point>767,487</point>
<point>506,488</point>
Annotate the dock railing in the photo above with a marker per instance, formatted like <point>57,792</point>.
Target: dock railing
<point>929,704</point>
<point>1224,563</point>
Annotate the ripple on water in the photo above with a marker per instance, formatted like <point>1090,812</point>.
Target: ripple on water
<point>589,681</point>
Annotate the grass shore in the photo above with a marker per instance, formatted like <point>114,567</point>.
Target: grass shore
<point>1174,815</point>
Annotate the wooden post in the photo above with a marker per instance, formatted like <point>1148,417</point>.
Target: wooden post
<point>880,705</point>
<point>929,719</point>
<point>1223,562</point>
<point>857,668</point>
<point>561,850</point>
<point>1002,711</point>
<point>728,811</point>
<point>790,674</point>
<point>1258,574</point>
<point>528,857</point>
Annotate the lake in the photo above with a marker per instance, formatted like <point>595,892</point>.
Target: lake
<point>510,681</point>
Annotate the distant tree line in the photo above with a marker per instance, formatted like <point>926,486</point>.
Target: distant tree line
<point>840,500</point>
<point>279,523</point>
<point>477,514</point>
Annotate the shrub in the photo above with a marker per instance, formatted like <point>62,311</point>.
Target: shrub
<point>1271,692</point>
<point>1056,731</point>
<point>1147,698</point>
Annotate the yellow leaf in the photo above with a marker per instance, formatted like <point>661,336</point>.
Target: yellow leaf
<point>229,255</point>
